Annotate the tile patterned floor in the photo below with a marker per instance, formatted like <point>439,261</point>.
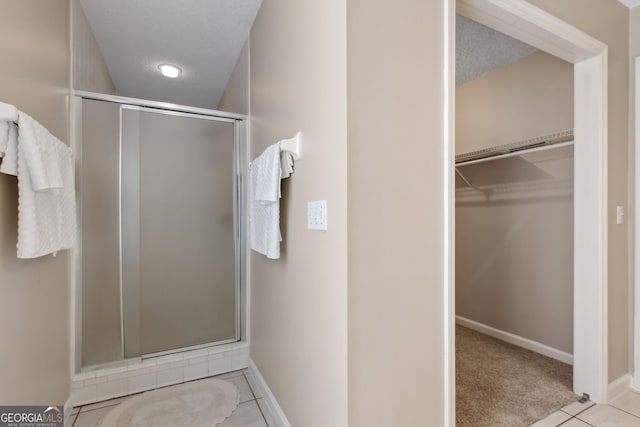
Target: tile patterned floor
<point>622,412</point>
<point>251,412</point>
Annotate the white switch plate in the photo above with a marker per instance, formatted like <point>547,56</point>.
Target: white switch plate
<point>317,215</point>
<point>619,215</point>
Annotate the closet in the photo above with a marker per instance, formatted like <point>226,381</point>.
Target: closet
<point>514,240</point>
<point>514,229</point>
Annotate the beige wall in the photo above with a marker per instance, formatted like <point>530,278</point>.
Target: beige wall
<point>634,51</point>
<point>634,32</point>
<point>90,72</point>
<point>299,302</point>
<point>531,97</point>
<point>34,307</point>
<point>608,21</point>
<point>514,250</point>
<point>395,117</point>
<point>235,98</point>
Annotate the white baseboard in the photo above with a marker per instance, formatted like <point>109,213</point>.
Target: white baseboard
<point>635,382</point>
<point>543,349</point>
<point>269,398</point>
<point>68,407</point>
<point>618,387</point>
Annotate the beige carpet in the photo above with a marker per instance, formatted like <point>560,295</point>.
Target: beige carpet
<point>501,385</point>
<point>202,403</point>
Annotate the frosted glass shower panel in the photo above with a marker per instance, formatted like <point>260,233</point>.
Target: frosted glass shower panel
<point>178,244</point>
<point>100,245</point>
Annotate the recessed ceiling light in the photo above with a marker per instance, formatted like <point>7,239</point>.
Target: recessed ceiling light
<point>170,71</point>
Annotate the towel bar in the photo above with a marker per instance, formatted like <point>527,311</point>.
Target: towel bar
<point>292,145</point>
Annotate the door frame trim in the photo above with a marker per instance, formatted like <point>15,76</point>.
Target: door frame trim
<point>635,377</point>
<point>532,25</point>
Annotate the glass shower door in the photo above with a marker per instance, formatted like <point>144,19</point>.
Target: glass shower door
<point>178,229</point>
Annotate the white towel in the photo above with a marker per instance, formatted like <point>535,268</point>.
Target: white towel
<point>9,148</point>
<point>42,153</point>
<point>46,191</point>
<point>265,203</point>
<point>286,164</point>
<point>4,137</point>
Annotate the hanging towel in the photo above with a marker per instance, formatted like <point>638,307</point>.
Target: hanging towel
<point>286,164</point>
<point>9,148</point>
<point>4,137</point>
<point>46,191</point>
<point>265,203</point>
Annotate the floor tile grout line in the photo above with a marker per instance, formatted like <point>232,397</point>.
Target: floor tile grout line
<point>255,399</point>
<point>578,413</point>
<point>622,410</point>
<point>250,388</point>
<point>262,413</point>
<point>105,406</point>
<point>583,421</point>
<point>573,417</point>
<point>565,421</point>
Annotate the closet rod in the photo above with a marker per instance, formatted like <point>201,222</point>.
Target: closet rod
<point>520,146</point>
<point>516,153</point>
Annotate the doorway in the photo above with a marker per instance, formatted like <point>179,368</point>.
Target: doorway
<point>525,22</point>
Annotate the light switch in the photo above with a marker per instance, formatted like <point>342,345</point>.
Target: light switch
<point>317,215</point>
<point>619,215</point>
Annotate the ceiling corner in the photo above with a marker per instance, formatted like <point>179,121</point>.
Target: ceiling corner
<point>630,3</point>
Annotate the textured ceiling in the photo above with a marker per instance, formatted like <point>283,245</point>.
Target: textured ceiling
<point>480,50</point>
<point>203,37</point>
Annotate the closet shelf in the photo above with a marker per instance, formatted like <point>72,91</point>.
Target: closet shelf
<point>516,147</point>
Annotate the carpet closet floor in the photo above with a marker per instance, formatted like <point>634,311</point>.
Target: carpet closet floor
<point>251,411</point>
<point>501,385</point>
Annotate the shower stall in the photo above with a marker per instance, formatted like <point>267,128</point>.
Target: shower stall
<point>161,259</point>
